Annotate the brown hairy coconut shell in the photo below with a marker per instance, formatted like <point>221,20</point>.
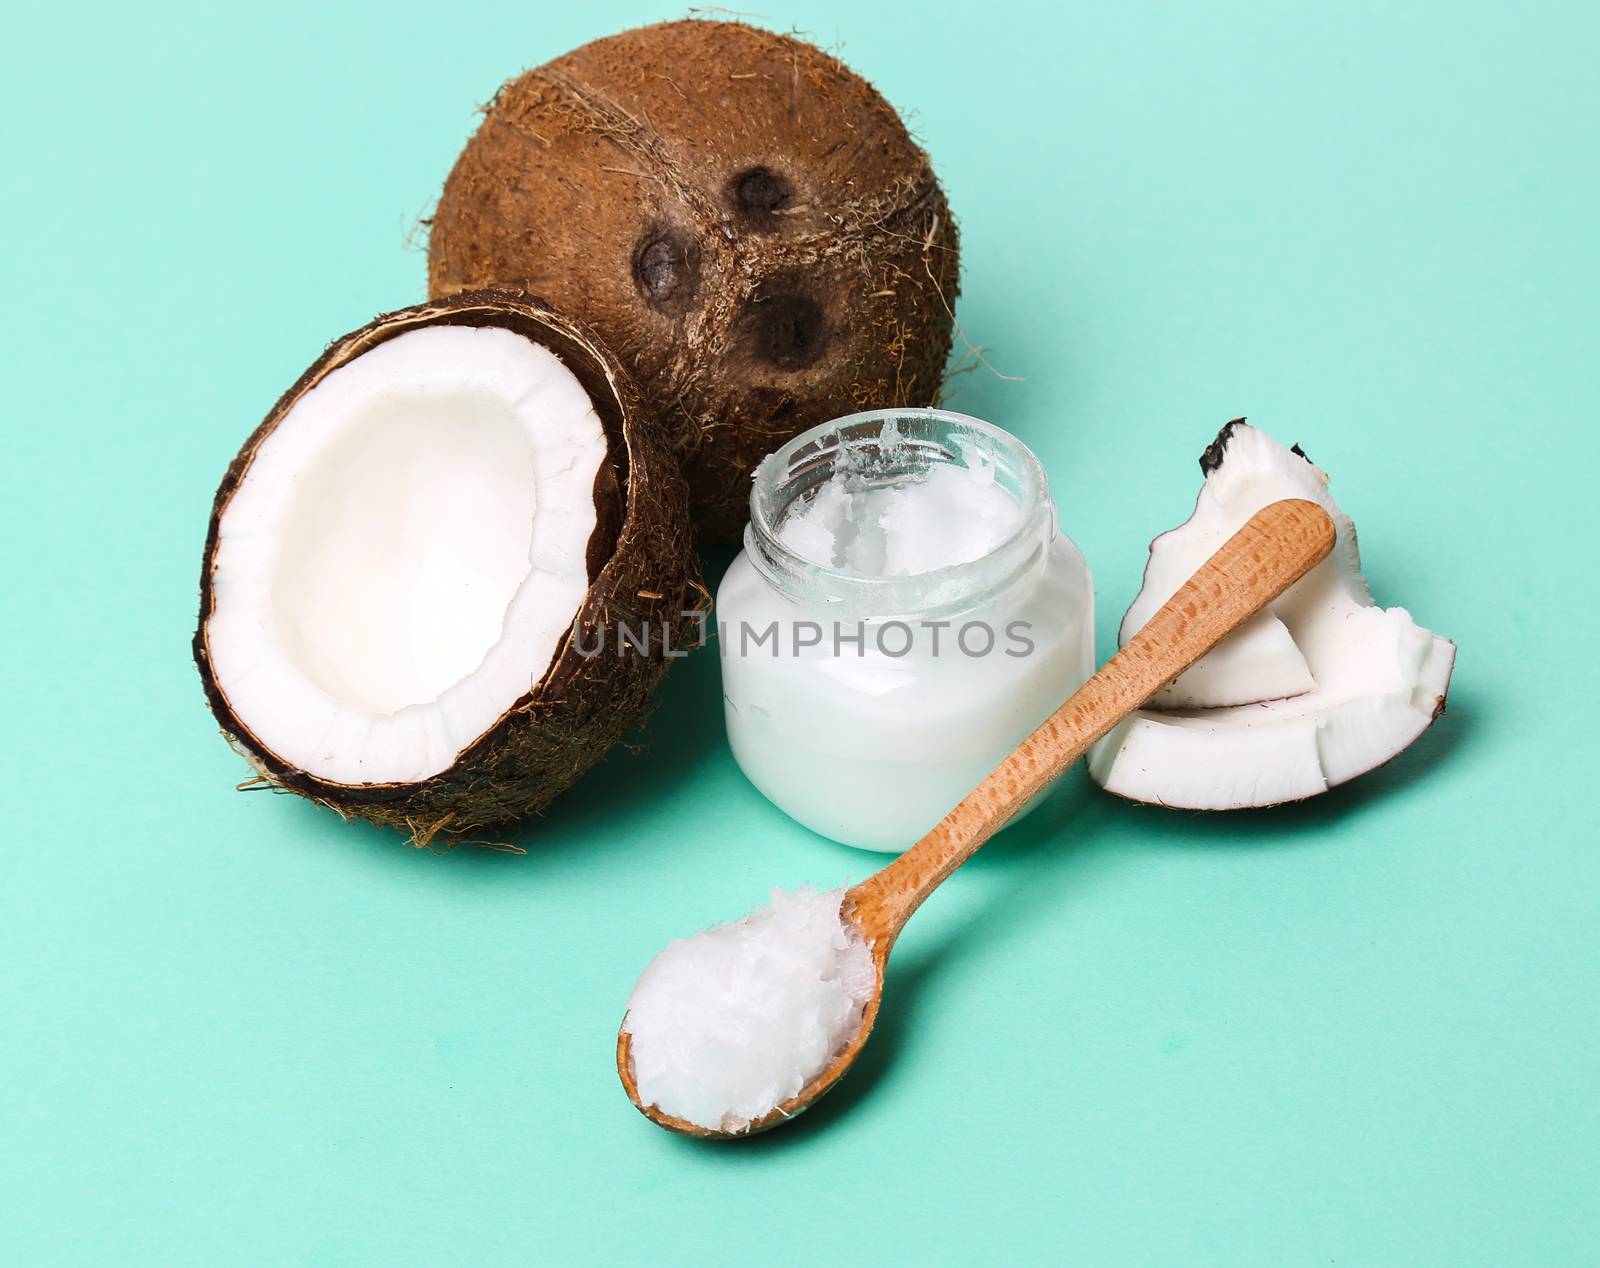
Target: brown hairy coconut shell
<point>741,217</point>
<point>642,574</point>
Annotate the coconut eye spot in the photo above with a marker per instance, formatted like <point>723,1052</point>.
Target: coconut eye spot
<point>404,546</point>
<point>758,195</point>
<point>787,332</point>
<point>664,269</point>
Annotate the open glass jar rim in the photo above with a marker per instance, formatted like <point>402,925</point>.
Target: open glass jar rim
<point>896,448</point>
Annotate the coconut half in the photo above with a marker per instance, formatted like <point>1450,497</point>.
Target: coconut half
<point>417,565</point>
<point>1320,687</point>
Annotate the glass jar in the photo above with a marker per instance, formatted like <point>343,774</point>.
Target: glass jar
<point>866,706</point>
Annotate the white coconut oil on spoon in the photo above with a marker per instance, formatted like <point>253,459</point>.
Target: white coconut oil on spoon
<point>736,1020</point>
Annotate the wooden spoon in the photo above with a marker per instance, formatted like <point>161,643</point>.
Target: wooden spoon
<point>1278,546</point>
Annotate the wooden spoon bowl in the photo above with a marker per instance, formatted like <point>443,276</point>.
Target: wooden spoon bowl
<point>795,1105</point>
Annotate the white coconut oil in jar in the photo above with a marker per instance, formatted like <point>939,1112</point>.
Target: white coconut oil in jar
<point>905,612</point>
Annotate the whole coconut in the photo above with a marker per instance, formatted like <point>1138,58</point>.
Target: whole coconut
<point>743,219</point>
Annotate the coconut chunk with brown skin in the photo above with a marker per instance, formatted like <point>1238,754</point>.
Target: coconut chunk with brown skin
<point>1321,687</point>
<point>410,555</point>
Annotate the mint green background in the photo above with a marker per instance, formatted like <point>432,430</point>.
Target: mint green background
<point>1360,1031</point>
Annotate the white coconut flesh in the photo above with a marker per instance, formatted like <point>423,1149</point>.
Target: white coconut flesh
<point>405,553</point>
<point>1320,687</point>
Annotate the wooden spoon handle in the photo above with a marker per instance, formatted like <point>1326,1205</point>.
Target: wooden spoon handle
<point>1278,546</point>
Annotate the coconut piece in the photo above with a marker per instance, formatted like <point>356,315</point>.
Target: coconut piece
<point>413,561</point>
<point>1321,687</point>
<point>743,219</point>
